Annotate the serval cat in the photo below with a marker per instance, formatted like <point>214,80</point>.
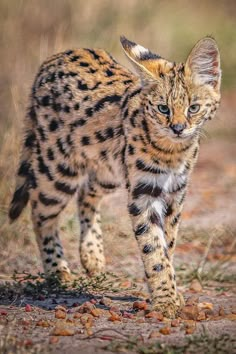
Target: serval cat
<point>92,126</point>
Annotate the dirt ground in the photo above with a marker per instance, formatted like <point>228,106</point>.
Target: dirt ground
<point>111,313</point>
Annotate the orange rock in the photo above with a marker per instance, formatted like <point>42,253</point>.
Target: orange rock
<point>87,317</point>
<point>96,312</point>
<point>43,323</point>
<point>114,317</point>
<point>60,314</point>
<point>62,331</point>
<point>140,305</point>
<point>155,314</point>
<point>165,330</point>
<point>77,315</point>
<point>86,307</point>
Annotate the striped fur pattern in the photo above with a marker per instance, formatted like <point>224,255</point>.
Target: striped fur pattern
<point>93,126</point>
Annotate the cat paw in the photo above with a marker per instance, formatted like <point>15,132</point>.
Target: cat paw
<point>94,263</point>
<point>169,309</point>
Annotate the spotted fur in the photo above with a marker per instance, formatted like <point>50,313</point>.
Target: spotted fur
<point>93,126</point>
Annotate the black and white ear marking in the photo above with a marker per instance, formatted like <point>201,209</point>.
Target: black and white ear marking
<point>137,52</point>
<point>204,63</point>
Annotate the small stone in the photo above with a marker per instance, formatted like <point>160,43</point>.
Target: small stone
<point>165,330</point>
<point>28,308</point>
<point>114,317</point>
<point>86,307</point>
<point>62,331</point>
<point>189,312</point>
<point>59,314</point>
<point>105,301</point>
<point>175,323</point>
<point>140,305</point>
<point>155,314</point>
<point>195,286</point>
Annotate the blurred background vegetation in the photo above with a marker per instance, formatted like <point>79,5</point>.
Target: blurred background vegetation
<point>32,30</point>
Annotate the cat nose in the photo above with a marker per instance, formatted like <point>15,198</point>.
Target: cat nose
<point>178,128</point>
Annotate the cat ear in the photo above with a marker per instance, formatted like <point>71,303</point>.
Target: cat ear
<point>203,63</point>
<point>147,64</point>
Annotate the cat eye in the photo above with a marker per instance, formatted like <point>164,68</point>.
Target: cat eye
<point>164,109</point>
<point>194,108</point>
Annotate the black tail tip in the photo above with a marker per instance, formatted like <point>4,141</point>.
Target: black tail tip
<point>19,201</point>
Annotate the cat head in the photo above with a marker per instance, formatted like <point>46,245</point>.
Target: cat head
<point>178,98</point>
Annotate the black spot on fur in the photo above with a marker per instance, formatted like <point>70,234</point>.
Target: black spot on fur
<point>141,229</point>
<point>24,168</point>
<point>85,140</point>
<point>30,140</point>
<point>84,64</point>
<point>50,154</point>
<point>134,209</point>
<point>45,101</point>
<point>148,248</point>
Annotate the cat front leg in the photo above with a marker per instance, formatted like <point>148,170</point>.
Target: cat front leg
<point>146,210</point>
